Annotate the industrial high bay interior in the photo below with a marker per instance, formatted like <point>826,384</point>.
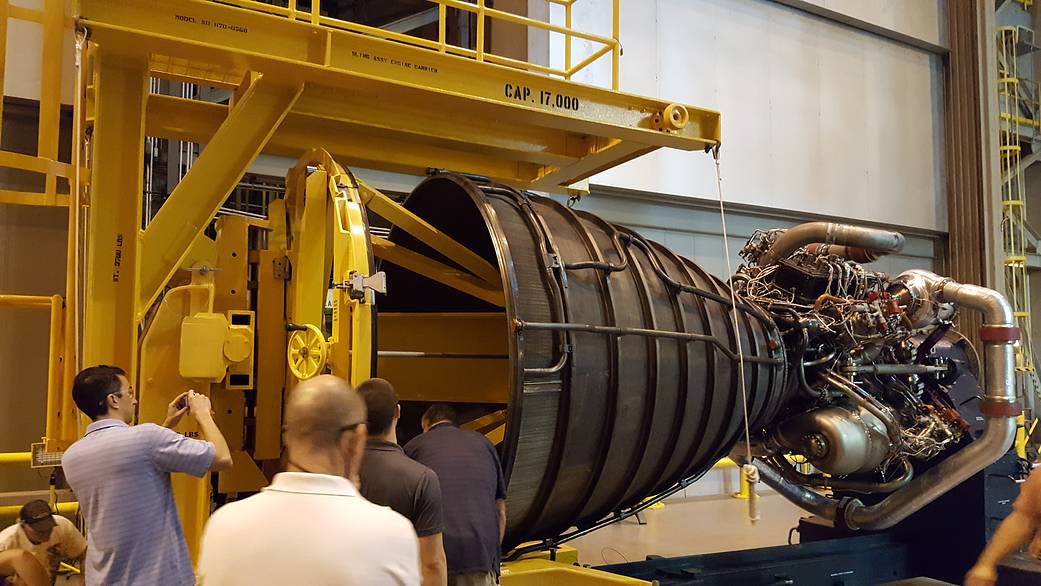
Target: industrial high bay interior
<point>807,251</point>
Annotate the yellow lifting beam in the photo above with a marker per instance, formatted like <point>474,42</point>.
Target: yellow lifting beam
<point>440,272</point>
<point>389,210</point>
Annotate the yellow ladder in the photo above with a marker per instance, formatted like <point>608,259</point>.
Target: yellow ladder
<point>1013,203</point>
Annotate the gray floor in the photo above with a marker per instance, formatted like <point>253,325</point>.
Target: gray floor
<point>687,527</point>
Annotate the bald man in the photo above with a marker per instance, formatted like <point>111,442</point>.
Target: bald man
<point>311,526</point>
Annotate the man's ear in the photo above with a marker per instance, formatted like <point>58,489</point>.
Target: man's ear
<point>112,402</point>
<point>360,436</point>
<point>397,411</point>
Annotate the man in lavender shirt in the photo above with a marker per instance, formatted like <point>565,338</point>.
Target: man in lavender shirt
<point>121,477</point>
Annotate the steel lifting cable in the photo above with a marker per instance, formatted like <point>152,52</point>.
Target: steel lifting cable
<point>751,472</point>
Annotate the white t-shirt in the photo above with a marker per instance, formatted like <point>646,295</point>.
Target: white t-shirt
<point>66,543</point>
<point>312,529</point>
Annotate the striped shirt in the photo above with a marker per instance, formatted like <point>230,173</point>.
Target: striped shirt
<point>121,477</point>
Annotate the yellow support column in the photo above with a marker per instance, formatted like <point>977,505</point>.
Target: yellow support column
<point>111,324</point>
<point>196,199</point>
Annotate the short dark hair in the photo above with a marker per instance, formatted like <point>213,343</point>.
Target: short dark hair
<point>92,387</point>
<point>440,412</point>
<point>380,400</point>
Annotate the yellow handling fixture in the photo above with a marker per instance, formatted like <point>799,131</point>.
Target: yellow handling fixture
<point>227,305</point>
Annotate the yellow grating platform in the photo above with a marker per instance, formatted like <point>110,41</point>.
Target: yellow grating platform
<point>379,103</point>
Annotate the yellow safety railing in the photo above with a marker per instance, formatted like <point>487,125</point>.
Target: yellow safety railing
<point>45,162</point>
<point>55,374</point>
<point>607,45</point>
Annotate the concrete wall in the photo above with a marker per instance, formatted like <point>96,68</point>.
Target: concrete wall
<point>817,116</point>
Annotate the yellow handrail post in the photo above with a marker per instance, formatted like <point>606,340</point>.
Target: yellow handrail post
<point>480,30</point>
<point>54,370</point>
<point>616,50</point>
<point>442,42</point>
<point>567,41</point>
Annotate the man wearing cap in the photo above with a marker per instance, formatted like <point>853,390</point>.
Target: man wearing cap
<point>50,539</point>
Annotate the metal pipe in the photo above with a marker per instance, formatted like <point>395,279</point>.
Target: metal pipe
<point>27,301</point>
<point>997,437</point>
<point>647,333</point>
<point>999,433</point>
<point>881,241</point>
<point>895,368</point>
<point>806,498</point>
<point>54,371</point>
<point>863,486</point>
<point>11,511</point>
<point>16,457</point>
<point>858,396</point>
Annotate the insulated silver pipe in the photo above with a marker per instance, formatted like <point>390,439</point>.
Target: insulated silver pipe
<point>999,396</point>
<point>806,498</point>
<point>998,335</point>
<point>881,241</point>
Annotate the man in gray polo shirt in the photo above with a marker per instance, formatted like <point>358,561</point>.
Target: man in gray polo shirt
<point>121,477</point>
<point>392,479</point>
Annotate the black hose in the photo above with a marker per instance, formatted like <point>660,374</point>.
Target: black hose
<point>930,341</point>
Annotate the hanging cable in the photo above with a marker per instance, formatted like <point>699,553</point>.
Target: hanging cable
<point>751,472</point>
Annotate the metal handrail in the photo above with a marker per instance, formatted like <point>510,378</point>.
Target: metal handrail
<point>611,45</point>
<point>56,305</point>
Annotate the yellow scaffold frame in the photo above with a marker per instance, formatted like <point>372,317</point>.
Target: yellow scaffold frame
<point>145,297</point>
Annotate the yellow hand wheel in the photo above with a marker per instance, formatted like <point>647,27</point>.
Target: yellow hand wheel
<point>307,351</point>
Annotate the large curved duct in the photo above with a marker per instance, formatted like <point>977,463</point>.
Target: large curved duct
<point>622,376</point>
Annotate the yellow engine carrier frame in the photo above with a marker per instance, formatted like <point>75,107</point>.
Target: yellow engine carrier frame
<point>172,305</point>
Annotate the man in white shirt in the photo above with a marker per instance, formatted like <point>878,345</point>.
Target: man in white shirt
<point>51,539</point>
<point>311,526</point>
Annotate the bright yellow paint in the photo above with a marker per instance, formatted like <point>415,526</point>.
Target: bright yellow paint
<point>417,88</point>
<point>538,572</point>
<point>15,458</point>
<point>329,237</point>
<point>160,381</point>
<point>440,272</point>
<point>200,193</point>
<point>423,231</point>
<point>201,353</point>
<point>110,311</point>
<point>307,352</point>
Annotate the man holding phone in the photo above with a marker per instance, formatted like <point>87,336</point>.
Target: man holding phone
<point>121,477</point>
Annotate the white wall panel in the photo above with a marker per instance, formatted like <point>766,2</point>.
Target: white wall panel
<point>817,116</point>
<point>24,57</point>
<point>920,19</point>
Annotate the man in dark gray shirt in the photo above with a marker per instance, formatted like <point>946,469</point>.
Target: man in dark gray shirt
<point>470,474</point>
<point>392,479</point>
